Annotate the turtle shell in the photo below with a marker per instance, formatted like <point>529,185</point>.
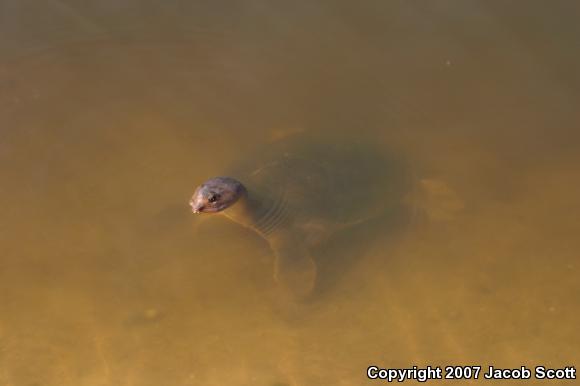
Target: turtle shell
<point>340,181</point>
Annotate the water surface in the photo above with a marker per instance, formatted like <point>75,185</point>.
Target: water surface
<point>111,113</point>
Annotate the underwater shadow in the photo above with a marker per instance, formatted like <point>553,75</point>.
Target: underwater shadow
<point>350,248</point>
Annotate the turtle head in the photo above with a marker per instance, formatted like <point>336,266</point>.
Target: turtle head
<point>216,194</point>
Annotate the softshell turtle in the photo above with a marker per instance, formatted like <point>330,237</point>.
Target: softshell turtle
<point>299,191</point>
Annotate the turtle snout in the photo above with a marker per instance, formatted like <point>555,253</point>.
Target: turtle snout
<point>196,207</point>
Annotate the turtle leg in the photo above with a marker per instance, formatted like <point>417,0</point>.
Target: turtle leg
<point>294,268</point>
<point>437,200</point>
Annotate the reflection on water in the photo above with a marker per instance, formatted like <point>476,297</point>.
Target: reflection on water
<point>111,113</point>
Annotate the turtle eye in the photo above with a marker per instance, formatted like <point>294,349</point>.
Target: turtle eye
<point>213,198</point>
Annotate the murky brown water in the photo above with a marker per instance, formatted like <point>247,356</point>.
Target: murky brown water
<point>111,113</point>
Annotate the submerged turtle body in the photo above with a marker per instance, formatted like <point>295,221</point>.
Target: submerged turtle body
<point>298,192</point>
<point>340,183</point>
